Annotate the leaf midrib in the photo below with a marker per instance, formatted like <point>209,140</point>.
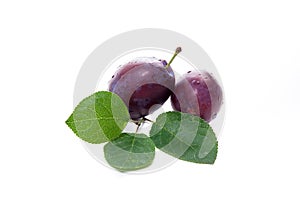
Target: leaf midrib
<point>189,146</point>
<point>133,140</point>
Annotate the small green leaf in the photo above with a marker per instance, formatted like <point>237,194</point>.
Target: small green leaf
<point>99,118</point>
<point>130,152</point>
<point>185,136</point>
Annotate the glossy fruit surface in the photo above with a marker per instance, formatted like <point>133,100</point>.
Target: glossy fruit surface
<point>143,84</point>
<point>198,93</point>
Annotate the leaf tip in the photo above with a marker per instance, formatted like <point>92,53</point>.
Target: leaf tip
<point>68,121</point>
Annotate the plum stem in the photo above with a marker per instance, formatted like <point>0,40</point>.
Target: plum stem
<point>148,120</point>
<point>139,123</point>
<point>177,51</point>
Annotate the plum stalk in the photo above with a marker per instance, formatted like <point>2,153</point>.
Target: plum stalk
<point>177,51</point>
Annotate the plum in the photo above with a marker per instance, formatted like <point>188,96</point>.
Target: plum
<point>198,93</point>
<point>144,84</point>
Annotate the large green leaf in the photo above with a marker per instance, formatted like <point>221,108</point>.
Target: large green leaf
<point>185,136</point>
<point>99,118</point>
<point>130,152</point>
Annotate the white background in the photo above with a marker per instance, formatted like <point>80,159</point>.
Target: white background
<point>255,45</point>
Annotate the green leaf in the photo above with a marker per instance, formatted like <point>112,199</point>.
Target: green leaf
<point>185,136</point>
<point>99,118</point>
<point>130,152</point>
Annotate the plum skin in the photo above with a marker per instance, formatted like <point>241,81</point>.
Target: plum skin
<point>143,84</point>
<point>198,93</point>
